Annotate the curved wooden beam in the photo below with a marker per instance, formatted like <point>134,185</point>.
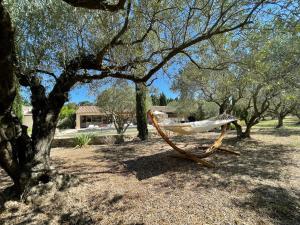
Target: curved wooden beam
<point>181,151</point>
<point>197,158</point>
<point>214,147</point>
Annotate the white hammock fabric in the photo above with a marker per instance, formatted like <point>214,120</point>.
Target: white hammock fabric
<point>198,126</point>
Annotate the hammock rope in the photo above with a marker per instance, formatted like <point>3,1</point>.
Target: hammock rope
<point>209,151</point>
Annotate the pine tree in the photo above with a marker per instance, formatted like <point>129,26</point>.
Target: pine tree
<point>162,99</point>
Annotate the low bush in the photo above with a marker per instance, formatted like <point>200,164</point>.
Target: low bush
<point>82,140</point>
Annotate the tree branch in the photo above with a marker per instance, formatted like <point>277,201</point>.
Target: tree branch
<point>205,36</point>
<point>115,39</point>
<point>97,4</point>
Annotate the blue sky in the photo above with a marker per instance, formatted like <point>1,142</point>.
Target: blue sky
<point>81,92</point>
<point>162,83</point>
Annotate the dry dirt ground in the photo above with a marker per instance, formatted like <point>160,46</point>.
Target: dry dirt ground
<point>140,183</point>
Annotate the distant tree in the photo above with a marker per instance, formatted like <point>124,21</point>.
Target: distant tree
<point>296,112</point>
<point>155,99</point>
<point>85,103</point>
<point>214,78</point>
<point>170,100</point>
<point>118,102</point>
<point>282,105</point>
<point>67,116</point>
<point>163,100</point>
<point>270,62</point>
<point>143,104</point>
<point>196,109</point>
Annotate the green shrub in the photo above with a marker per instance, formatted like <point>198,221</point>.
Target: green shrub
<point>82,140</point>
<point>231,127</point>
<point>67,116</point>
<point>67,122</point>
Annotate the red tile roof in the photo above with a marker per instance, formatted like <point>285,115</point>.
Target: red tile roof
<point>89,109</point>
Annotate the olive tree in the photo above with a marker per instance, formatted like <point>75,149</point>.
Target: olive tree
<point>282,105</point>
<point>214,77</point>
<point>59,44</point>
<point>270,61</point>
<point>28,54</point>
<point>118,102</point>
<point>166,39</point>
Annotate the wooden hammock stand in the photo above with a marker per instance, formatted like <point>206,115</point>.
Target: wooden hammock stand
<point>197,158</point>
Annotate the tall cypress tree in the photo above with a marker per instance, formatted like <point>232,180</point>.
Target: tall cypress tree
<point>141,110</point>
<point>162,99</point>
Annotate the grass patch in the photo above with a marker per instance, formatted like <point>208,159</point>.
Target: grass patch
<point>288,123</point>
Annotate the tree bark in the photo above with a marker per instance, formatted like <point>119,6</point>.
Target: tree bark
<point>7,61</point>
<point>239,130</point>
<point>25,159</point>
<point>15,148</point>
<point>247,132</point>
<point>279,121</point>
<point>141,110</point>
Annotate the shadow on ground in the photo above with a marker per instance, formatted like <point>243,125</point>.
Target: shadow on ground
<point>257,171</point>
<point>280,132</point>
<point>258,160</point>
<point>276,202</point>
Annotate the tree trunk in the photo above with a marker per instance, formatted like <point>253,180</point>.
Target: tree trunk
<point>119,139</point>
<point>247,132</point>
<point>16,152</point>
<point>141,111</point>
<point>298,116</point>
<point>24,159</point>
<point>10,126</point>
<point>279,121</point>
<point>238,128</point>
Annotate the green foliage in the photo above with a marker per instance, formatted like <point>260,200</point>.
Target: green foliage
<point>82,140</point>
<point>67,110</point>
<point>162,99</point>
<point>119,102</point>
<point>154,99</point>
<point>87,103</point>
<point>17,105</point>
<point>197,109</point>
<point>67,116</point>
<point>257,71</point>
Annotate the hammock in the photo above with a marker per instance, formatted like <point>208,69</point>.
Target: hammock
<point>198,126</point>
<point>192,128</point>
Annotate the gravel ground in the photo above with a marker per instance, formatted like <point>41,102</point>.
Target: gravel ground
<point>141,183</point>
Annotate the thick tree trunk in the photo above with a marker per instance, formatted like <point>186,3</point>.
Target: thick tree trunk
<point>239,130</point>
<point>222,109</point>
<point>298,116</point>
<point>10,127</point>
<point>16,151</point>
<point>141,111</point>
<point>25,159</point>
<point>247,132</point>
<point>280,121</point>
<point>7,61</point>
